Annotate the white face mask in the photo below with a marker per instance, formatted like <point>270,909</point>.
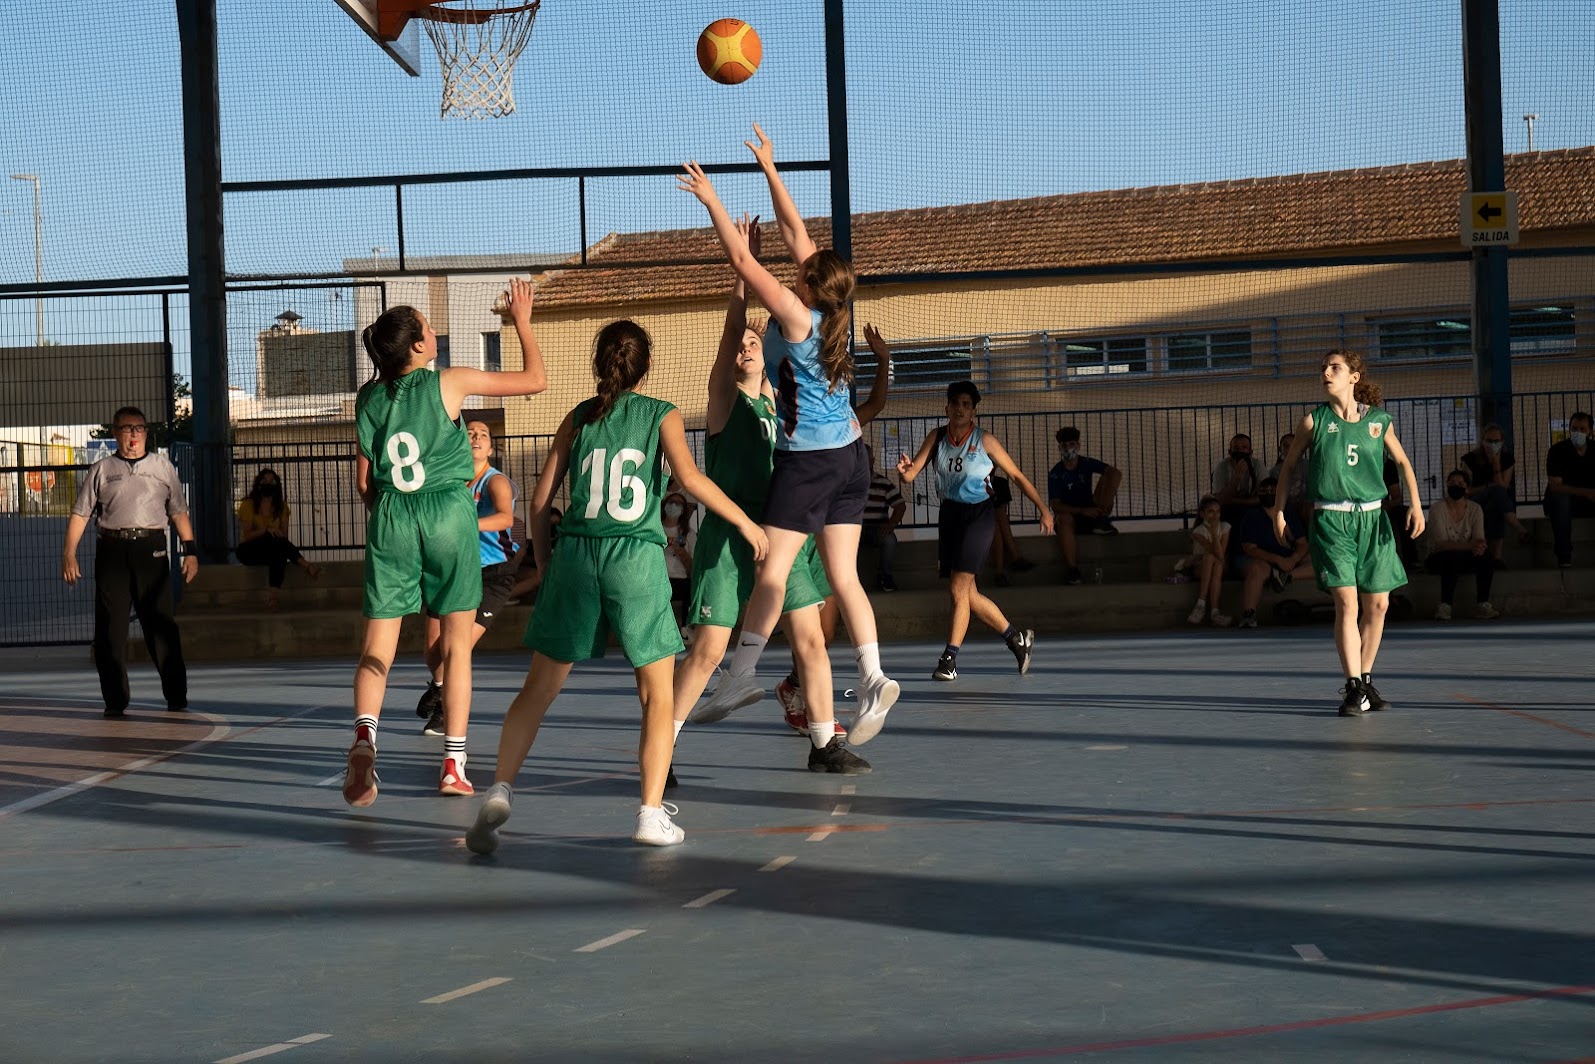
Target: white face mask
<point>1579,438</point>
<point>1069,453</point>
<point>1493,447</point>
<point>673,509</point>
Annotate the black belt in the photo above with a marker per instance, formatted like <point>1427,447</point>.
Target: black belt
<point>131,533</point>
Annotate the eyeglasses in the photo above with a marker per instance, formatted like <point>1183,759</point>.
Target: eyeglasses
<point>136,430</point>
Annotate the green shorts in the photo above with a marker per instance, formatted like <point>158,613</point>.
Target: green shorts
<point>422,551</point>
<point>596,584</point>
<point>1357,549</point>
<point>723,572</point>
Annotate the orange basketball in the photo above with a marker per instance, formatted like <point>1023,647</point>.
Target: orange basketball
<point>729,51</point>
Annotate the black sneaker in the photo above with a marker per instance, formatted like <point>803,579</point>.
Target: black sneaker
<point>1105,527</point>
<point>1376,702</point>
<point>946,668</point>
<point>114,714</point>
<point>836,757</point>
<point>1021,644</point>
<point>1072,577</point>
<point>886,583</point>
<point>670,779</point>
<point>431,700</point>
<point>434,724</point>
<point>1355,703</point>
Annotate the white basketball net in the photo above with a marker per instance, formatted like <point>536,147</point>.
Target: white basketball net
<point>478,42</point>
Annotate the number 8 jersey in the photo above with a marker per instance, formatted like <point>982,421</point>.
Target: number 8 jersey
<point>407,435</point>
<point>1348,457</point>
<point>616,475</point>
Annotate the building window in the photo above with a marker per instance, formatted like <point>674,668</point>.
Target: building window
<point>1545,329</point>
<point>1096,358</point>
<point>443,353</point>
<point>929,365</point>
<point>492,351</point>
<point>1201,351</point>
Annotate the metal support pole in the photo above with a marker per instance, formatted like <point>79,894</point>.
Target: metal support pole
<point>207,279</point>
<point>836,127</point>
<point>1492,311</point>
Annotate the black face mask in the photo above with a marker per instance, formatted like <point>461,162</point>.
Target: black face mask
<point>1236,456</point>
<point>1456,491</point>
<point>1266,500</point>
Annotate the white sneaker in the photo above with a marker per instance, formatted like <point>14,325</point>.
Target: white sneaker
<point>730,694</point>
<point>655,828</point>
<point>1486,612</point>
<point>1442,612</point>
<point>495,809</point>
<point>1198,615</point>
<point>874,701</point>
<point>1218,620</point>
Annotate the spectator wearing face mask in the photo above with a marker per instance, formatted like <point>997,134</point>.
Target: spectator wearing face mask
<point>1457,545</point>
<point>1570,484</point>
<point>1235,479</point>
<point>1296,491</point>
<point>1078,506</point>
<point>1265,558</point>
<point>1491,467</point>
<point>680,541</point>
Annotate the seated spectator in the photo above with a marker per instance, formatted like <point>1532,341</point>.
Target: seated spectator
<point>1005,556</point>
<point>1457,545</point>
<point>1570,484</point>
<point>1296,490</point>
<point>883,512</point>
<point>1491,468</point>
<point>1265,560</point>
<point>1209,545</point>
<point>1235,479</point>
<point>680,540</point>
<point>1077,506</point>
<point>1395,508</point>
<point>263,534</point>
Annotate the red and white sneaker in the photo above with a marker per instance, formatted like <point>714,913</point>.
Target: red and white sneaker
<point>360,777</point>
<point>795,709</point>
<point>452,781</point>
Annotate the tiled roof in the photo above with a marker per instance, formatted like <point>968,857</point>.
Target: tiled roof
<point>1298,215</point>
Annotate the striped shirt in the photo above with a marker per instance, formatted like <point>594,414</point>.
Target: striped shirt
<point>883,498</point>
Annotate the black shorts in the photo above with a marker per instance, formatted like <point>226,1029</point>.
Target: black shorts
<point>680,588</point>
<point>497,581</point>
<point>812,489</point>
<point>963,536</point>
<point>1001,491</point>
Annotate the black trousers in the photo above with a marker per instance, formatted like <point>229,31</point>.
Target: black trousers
<point>274,552</point>
<point>136,574</point>
<point>1451,564</point>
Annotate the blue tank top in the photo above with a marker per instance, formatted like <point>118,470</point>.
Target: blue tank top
<point>497,547</point>
<point>963,471</point>
<point>810,417</point>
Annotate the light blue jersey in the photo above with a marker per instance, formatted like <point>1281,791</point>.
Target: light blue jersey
<point>810,417</point>
<point>497,547</point>
<point>963,470</point>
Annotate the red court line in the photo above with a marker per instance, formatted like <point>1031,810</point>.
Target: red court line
<point>1273,1028</point>
<point>1524,715</point>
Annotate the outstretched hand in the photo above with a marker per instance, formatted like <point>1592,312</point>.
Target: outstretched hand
<point>749,230</point>
<point>521,296</point>
<point>692,179</point>
<point>877,346</point>
<point>763,151</point>
<point>905,465</point>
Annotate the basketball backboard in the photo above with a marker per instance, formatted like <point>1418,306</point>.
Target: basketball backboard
<point>404,50</point>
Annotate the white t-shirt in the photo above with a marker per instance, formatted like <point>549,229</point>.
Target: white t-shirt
<point>673,564</point>
<point>1201,534</point>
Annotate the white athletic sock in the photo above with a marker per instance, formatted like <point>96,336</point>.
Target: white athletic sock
<point>869,662</point>
<point>454,746</point>
<point>746,657</point>
<point>366,722</point>
<point>1201,604</point>
<point>679,725</point>
<point>822,734</point>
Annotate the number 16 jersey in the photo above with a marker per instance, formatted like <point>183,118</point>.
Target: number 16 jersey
<point>616,471</point>
<point>413,445</point>
<point>1348,463</point>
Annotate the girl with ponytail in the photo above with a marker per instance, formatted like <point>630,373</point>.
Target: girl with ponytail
<point>821,475</point>
<point>413,469</point>
<point>606,574</point>
<point>1353,546</point>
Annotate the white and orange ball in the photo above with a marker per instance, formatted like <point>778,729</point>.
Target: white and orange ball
<point>729,51</point>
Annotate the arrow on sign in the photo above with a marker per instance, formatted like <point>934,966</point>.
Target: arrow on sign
<point>1487,212</point>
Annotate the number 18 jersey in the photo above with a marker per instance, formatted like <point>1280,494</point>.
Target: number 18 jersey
<point>407,435</point>
<point>1348,463</point>
<point>616,474</point>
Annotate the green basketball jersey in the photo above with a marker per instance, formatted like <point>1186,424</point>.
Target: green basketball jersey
<point>616,479</point>
<point>740,456</point>
<point>1348,460</point>
<point>408,436</point>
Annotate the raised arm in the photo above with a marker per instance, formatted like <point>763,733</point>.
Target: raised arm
<point>784,306</point>
<point>673,441</point>
<point>548,482</point>
<point>723,374</point>
<point>1001,459</point>
<point>872,406</point>
<point>530,379</point>
<point>793,231</point>
<point>908,468</point>
<point>1415,521</point>
<point>1303,434</point>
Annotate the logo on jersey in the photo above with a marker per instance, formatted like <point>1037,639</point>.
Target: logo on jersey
<point>1333,427</point>
<point>1375,429</point>
<point>705,612</point>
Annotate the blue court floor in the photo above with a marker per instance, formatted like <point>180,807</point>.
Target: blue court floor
<point>1163,848</point>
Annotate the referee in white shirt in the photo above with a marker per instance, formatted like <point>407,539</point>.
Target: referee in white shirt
<point>132,494</point>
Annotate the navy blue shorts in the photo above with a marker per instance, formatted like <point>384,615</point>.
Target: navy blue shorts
<point>812,489</point>
<point>963,535</point>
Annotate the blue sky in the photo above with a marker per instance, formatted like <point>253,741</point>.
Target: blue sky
<point>949,102</point>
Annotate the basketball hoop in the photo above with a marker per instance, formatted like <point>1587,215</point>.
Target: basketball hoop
<point>478,42</point>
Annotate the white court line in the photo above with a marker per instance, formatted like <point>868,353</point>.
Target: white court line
<point>1309,952</point>
<point>842,809</point>
<point>709,898</point>
<point>605,943</point>
<point>266,1051</point>
<point>849,788</point>
<point>778,864</point>
<point>330,780</point>
<point>485,984</point>
<point>822,834</point>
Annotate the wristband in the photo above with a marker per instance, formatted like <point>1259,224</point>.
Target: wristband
<point>188,548</point>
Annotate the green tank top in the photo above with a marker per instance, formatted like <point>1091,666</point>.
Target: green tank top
<point>1348,458</point>
<point>740,456</point>
<point>412,444</point>
<point>616,475</point>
